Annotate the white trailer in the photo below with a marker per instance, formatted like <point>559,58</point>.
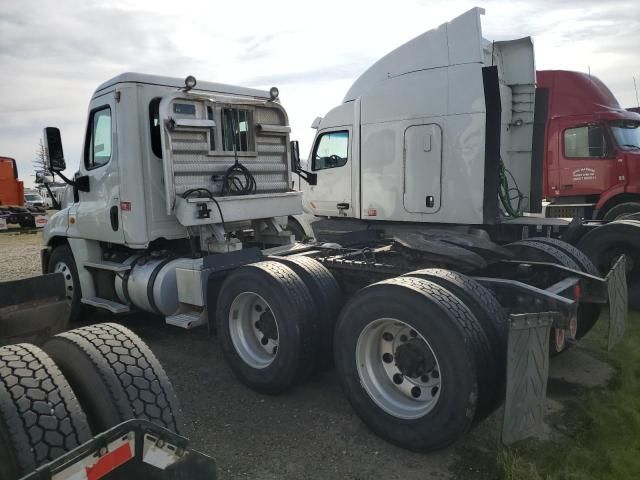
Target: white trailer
<point>184,194</point>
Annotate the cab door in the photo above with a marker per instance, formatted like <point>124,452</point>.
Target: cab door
<point>330,161</point>
<point>422,168</point>
<point>587,161</point>
<point>98,210</point>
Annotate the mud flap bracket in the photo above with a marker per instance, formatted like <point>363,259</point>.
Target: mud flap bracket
<point>618,298</point>
<point>527,372</point>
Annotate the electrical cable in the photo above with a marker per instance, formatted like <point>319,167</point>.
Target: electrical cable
<point>237,180</point>
<point>208,195</point>
<point>505,192</point>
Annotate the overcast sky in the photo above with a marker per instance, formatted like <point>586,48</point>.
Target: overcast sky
<point>54,53</point>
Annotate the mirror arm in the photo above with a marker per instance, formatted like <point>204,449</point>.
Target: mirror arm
<point>80,183</point>
<point>309,177</point>
<point>64,179</point>
<point>56,203</point>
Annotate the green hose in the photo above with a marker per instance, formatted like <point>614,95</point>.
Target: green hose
<point>506,193</point>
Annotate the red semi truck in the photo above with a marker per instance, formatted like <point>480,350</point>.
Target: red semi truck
<point>592,149</point>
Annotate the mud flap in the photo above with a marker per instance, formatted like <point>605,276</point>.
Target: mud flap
<point>527,372</point>
<point>33,309</point>
<point>617,289</point>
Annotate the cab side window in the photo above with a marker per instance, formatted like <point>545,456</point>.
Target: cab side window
<point>588,141</point>
<point>331,150</point>
<point>99,136</point>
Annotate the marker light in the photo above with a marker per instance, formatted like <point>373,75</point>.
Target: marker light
<point>274,92</point>
<point>190,82</point>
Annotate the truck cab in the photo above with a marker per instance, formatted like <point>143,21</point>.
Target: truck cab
<point>592,147</point>
<point>422,135</point>
<point>171,171</point>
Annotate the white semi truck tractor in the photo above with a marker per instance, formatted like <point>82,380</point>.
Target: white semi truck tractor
<point>183,198</point>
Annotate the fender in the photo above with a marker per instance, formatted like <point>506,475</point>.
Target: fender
<point>305,220</point>
<point>608,198</point>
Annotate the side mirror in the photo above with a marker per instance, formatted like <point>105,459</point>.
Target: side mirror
<point>296,167</point>
<point>295,156</point>
<point>54,156</point>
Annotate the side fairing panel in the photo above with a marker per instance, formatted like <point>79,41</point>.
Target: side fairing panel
<point>450,99</point>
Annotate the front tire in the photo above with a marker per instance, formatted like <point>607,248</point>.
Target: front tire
<point>61,260</point>
<point>619,212</point>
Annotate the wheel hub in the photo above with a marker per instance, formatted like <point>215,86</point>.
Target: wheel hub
<point>398,368</point>
<point>414,359</point>
<point>266,325</point>
<point>253,328</point>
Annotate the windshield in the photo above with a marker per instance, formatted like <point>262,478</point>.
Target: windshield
<point>33,198</point>
<point>627,134</point>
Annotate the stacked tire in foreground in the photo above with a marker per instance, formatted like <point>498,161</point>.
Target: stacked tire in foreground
<point>81,383</point>
<point>421,357</point>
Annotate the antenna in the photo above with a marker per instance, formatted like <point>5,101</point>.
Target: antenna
<point>635,86</point>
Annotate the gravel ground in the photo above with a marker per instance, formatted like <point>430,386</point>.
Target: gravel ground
<point>309,432</point>
<point>19,255</point>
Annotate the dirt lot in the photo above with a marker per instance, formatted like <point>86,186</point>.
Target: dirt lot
<point>310,432</point>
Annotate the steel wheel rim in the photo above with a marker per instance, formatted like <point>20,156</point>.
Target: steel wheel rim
<point>69,287</point>
<point>254,330</point>
<point>398,368</point>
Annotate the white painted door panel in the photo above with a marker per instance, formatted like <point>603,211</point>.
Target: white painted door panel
<point>100,163</point>
<point>422,168</point>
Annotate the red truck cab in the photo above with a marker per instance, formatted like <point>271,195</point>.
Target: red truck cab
<point>592,148</point>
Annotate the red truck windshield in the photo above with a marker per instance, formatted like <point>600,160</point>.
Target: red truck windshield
<point>627,134</point>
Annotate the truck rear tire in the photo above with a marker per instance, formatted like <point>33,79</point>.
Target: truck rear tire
<point>40,417</point>
<point>588,313</point>
<point>604,244</point>
<point>327,298</point>
<point>115,376</point>
<point>409,356</point>
<point>61,260</point>
<point>620,211</point>
<point>532,250</point>
<point>492,318</point>
<point>267,324</point>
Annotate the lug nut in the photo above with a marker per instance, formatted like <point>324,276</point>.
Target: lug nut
<point>403,338</point>
<point>264,340</point>
<point>257,308</point>
<point>435,374</point>
<point>424,378</point>
<point>416,392</point>
<point>387,358</point>
<point>387,336</point>
<point>434,390</point>
<point>398,379</point>
<point>275,349</point>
